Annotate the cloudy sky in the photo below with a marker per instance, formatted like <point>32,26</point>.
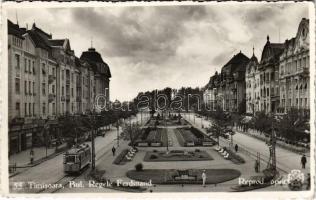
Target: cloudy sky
<point>158,46</point>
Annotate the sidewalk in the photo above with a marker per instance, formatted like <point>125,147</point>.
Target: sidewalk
<point>281,144</point>
<point>23,158</point>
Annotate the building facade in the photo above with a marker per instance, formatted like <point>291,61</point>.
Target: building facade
<point>252,93</point>
<point>294,71</point>
<point>231,95</point>
<point>47,81</point>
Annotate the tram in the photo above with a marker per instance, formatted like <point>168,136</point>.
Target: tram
<point>77,158</point>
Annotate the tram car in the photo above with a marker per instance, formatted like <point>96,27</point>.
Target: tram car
<point>77,158</point>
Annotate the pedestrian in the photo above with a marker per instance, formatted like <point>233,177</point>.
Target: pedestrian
<point>31,156</point>
<point>113,150</point>
<point>257,166</point>
<point>303,161</point>
<point>308,186</point>
<point>236,148</point>
<point>203,177</point>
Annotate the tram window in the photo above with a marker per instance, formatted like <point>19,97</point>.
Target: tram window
<point>70,158</point>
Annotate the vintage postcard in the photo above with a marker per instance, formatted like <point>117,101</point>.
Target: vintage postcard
<point>194,99</point>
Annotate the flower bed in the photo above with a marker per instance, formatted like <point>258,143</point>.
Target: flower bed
<point>169,176</point>
<point>193,137</point>
<point>120,159</point>
<point>177,155</point>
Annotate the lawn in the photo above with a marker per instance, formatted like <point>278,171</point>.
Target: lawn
<point>177,155</point>
<point>167,176</point>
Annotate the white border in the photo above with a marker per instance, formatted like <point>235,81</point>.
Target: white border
<point>123,195</point>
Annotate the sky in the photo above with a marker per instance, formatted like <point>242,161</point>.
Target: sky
<point>153,47</point>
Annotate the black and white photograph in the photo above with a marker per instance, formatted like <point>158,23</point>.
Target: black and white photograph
<point>159,98</point>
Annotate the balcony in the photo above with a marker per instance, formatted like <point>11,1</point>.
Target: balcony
<point>51,78</point>
<point>67,81</point>
<point>51,98</point>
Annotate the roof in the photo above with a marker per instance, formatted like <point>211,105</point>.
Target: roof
<point>237,63</point>
<point>38,40</point>
<point>271,52</point>
<point>14,29</point>
<point>57,42</point>
<point>95,60</point>
<point>78,148</point>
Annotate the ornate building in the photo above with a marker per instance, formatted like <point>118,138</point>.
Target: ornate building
<point>294,70</point>
<point>269,76</point>
<point>252,86</point>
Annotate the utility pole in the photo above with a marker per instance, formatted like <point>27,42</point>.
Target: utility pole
<point>118,133</point>
<point>271,145</point>
<point>92,140</point>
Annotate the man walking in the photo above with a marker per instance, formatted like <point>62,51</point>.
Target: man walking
<point>113,150</point>
<point>204,178</point>
<point>303,161</point>
<point>236,148</point>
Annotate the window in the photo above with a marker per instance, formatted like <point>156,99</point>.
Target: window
<point>25,87</point>
<point>33,88</point>
<point>62,74</point>
<point>25,109</point>
<point>53,108</point>
<point>44,108</point>
<point>17,86</point>
<point>30,88</point>
<point>62,91</point>
<point>53,71</point>
<point>30,109</point>
<point>17,64</point>
<point>33,109</point>
<point>43,69</point>
<point>17,109</point>
<point>33,67</point>
<point>43,88</point>
<point>53,89</point>
<point>72,92</point>
<point>25,64</point>
<point>267,91</point>
<point>72,77</point>
<point>30,71</point>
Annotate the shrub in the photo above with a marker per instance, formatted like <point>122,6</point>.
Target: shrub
<point>139,167</point>
<point>153,156</point>
<point>197,150</point>
<point>155,151</point>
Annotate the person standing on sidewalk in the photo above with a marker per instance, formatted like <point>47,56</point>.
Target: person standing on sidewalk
<point>204,178</point>
<point>31,156</point>
<point>303,161</point>
<point>113,150</point>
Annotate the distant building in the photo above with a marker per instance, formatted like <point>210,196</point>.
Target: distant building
<point>231,94</point>
<point>102,75</point>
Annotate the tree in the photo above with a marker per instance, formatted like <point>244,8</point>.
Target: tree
<point>262,122</point>
<point>291,124</point>
<point>221,123</point>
